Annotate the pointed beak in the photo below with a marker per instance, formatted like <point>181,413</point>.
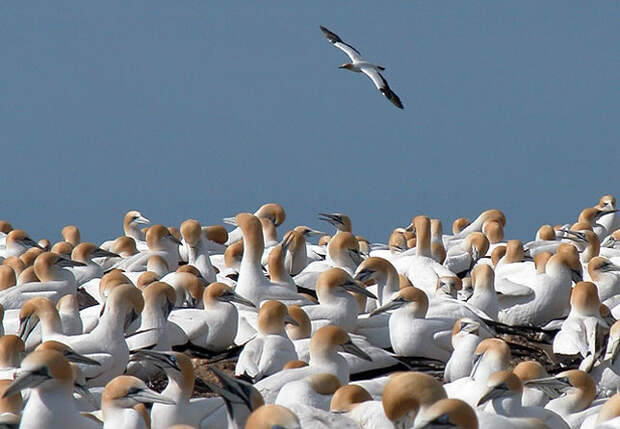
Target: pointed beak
<point>230,221</point>
<point>392,305</point>
<point>150,396</point>
<point>351,348</point>
<point>160,360</point>
<point>78,358</point>
<point>234,297</point>
<point>26,326</point>
<point>313,233</point>
<point>101,253</point>
<point>31,243</point>
<point>354,287</point>
<point>576,276</point>
<point>470,327</point>
<point>65,263</point>
<point>335,220</point>
<point>142,220</point>
<point>27,380</point>
<point>491,394</point>
<point>364,275</point>
<point>85,393</point>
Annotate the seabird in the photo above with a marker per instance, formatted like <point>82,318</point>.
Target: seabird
<point>360,65</point>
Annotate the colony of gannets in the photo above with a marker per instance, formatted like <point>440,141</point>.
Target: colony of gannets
<point>323,330</point>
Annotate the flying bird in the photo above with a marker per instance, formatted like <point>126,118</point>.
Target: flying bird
<point>360,65</point>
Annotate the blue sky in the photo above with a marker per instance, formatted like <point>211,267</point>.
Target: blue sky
<point>197,109</point>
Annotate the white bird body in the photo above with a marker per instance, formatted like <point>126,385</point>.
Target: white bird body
<point>359,65</point>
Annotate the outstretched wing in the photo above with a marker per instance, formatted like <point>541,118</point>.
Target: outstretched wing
<point>353,53</point>
<point>382,85</point>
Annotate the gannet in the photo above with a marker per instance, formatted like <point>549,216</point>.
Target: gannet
<point>213,328</point>
<point>54,281</point>
<point>154,330</point>
<point>359,65</point>
<point>551,292</point>
<point>85,253</point>
<point>119,398</point>
<point>11,354</point>
<point>573,393</point>
<point>49,376</point>
<point>197,412</point>
<point>465,338</point>
<point>252,284</point>
<point>197,249</point>
<point>17,242</point>
<point>336,305</point>
<point>324,358</point>
<point>69,312</point>
<point>484,296</point>
<point>271,349</point>
<point>606,370</point>
<point>411,333</point>
<point>531,370</point>
<point>316,391</point>
<point>503,392</point>
<point>491,355</point>
<point>105,343</point>
<point>271,211</point>
<point>579,332</point>
<point>462,257</point>
<point>383,273</point>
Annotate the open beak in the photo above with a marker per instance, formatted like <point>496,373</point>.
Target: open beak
<point>392,305</point>
<point>364,275</point>
<point>351,348</point>
<point>230,221</point>
<point>354,287</point>
<point>334,219</point>
<point>26,326</point>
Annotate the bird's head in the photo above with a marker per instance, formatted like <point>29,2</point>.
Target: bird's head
<point>346,66</point>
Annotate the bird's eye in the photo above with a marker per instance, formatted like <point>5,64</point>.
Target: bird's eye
<point>133,390</point>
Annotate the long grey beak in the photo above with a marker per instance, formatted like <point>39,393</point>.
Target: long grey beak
<point>101,253</point>
<point>576,276</point>
<point>351,348</point>
<point>159,359</point>
<point>27,380</point>
<point>493,393</point>
<point>334,219</point>
<point>230,221</point>
<point>312,233</point>
<point>392,305</point>
<point>354,287</point>
<point>26,326</point>
<point>78,358</point>
<point>234,297</point>
<point>31,243</point>
<point>150,396</point>
<point>64,263</point>
<point>470,327</point>
<point>142,220</point>
<point>364,275</point>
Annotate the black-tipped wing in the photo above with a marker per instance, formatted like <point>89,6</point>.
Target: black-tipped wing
<point>382,86</point>
<point>353,53</point>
